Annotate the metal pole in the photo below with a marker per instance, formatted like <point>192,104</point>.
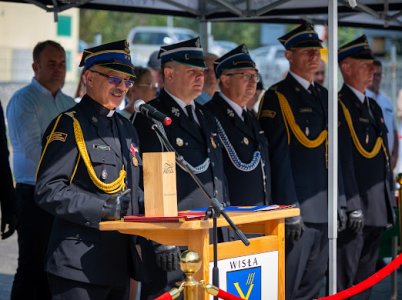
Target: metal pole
<point>333,140</point>
<point>394,96</point>
<point>394,278</point>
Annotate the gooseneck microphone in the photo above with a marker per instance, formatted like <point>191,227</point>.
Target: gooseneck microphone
<point>151,112</point>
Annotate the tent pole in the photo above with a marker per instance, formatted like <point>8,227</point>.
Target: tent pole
<point>333,139</point>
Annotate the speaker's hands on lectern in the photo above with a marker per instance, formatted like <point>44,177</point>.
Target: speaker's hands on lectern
<point>116,206</point>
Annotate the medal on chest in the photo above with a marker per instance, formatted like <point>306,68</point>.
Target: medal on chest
<point>134,151</point>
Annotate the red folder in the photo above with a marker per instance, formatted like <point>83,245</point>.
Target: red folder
<point>181,217</point>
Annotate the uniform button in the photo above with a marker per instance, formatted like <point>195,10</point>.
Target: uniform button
<point>209,150</point>
<point>216,192</point>
<point>87,223</point>
<point>216,178</point>
<point>212,164</point>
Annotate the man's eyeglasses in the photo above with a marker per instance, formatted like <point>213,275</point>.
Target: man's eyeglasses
<point>153,86</point>
<point>246,76</point>
<point>115,80</point>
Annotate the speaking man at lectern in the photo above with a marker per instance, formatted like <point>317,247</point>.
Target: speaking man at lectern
<point>193,134</point>
<point>88,173</point>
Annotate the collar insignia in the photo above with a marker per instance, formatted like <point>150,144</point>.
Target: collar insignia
<point>175,111</point>
<point>230,113</point>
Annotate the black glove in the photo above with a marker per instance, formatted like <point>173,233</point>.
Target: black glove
<point>294,228</point>
<point>11,221</point>
<point>116,206</point>
<point>356,220</point>
<point>167,257</point>
<point>342,219</point>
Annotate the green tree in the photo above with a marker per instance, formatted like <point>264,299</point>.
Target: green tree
<point>116,25</point>
<point>247,33</point>
<point>347,34</point>
<point>113,25</point>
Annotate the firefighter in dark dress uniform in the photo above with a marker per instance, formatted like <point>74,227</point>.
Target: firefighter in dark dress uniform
<point>89,172</point>
<point>245,145</point>
<point>365,162</point>
<point>293,115</point>
<point>193,134</point>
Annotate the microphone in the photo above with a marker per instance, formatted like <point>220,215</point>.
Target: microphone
<point>151,112</point>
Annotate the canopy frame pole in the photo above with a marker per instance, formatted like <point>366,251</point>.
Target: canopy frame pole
<point>332,140</point>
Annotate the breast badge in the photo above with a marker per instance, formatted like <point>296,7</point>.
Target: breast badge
<point>179,142</point>
<point>104,174</point>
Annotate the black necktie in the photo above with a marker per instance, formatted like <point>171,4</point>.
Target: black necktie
<point>366,108</point>
<point>115,132</point>
<point>190,114</point>
<point>245,118</point>
<point>313,91</point>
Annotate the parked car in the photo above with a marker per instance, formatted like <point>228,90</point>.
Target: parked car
<point>144,40</point>
<point>271,63</point>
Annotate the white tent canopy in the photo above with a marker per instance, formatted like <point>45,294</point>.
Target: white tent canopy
<point>365,13</point>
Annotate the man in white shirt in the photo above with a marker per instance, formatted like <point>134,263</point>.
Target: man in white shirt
<point>373,91</point>
<point>29,113</point>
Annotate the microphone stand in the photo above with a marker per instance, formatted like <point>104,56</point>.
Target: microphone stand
<point>214,211</point>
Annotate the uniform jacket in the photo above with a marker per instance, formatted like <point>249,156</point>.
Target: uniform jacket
<point>194,144</point>
<point>77,249</point>
<point>245,188</point>
<point>299,174</point>
<point>367,181</point>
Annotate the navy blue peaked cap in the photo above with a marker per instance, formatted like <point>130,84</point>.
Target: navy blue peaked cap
<point>302,36</point>
<point>114,56</point>
<point>238,58</point>
<point>357,49</point>
<point>187,52</point>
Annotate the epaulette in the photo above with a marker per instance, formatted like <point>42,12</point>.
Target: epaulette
<point>70,113</point>
<point>273,88</point>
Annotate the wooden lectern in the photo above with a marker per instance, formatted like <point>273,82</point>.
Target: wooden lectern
<point>195,235</point>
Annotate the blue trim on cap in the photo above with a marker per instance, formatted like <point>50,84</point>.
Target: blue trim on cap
<point>107,57</point>
<point>349,52</point>
<point>301,38</point>
<point>228,63</point>
<point>184,54</point>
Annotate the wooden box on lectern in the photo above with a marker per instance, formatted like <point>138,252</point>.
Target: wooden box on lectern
<point>160,197</point>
